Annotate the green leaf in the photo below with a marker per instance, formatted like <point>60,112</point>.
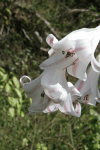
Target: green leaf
<point>18,109</point>
<point>16,82</point>
<point>12,101</point>
<point>41,146</point>
<point>8,88</point>
<point>12,112</point>
<point>1,73</point>
<point>18,93</point>
<point>25,142</point>
<point>22,114</point>
<point>5,77</point>
<point>2,70</point>
<point>10,83</point>
<point>8,10</point>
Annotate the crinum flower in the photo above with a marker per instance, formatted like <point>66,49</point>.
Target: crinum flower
<point>34,90</point>
<point>55,87</point>
<point>89,88</point>
<point>74,51</point>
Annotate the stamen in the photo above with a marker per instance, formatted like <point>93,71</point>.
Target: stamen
<point>42,94</point>
<point>63,52</point>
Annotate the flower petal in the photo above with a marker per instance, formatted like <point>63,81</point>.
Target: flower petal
<point>94,85</point>
<point>51,40</point>
<point>78,69</point>
<point>96,64</point>
<point>51,108</point>
<point>39,104</point>
<point>58,60</point>
<point>68,108</point>
<point>73,90</point>
<point>51,52</point>
<point>82,49</point>
<point>53,82</point>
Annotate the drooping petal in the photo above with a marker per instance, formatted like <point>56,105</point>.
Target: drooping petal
<point>39,104</point>
<point>88,99</point>
<point>82,49</point>
<point>31,86</point>
<point>33,89</point>
<point>78,69</point>
<point>93,35</point>
<point>95,64</point>
<point>73,90</point>
<point>52,82</point>
<point>51,108</point>
<point>94,85</point>
<point>22,78</point>
<point>68,108</point>
<point>59,60</point>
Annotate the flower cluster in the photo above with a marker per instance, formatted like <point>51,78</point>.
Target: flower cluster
<point>51,91</point>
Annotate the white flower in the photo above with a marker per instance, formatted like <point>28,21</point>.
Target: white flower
<point>34,90</point>
<point>89,88</point>
<point>56,88</point>
<point>74,51</point>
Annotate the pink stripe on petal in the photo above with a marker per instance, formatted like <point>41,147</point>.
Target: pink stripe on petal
<point>81,85</point>
<point>49,109</point>
<point>74,69</point>
<point>41,101</point>
<point>51,40</point>
<point>52,53</point>
<point>77,108</point>
<point>86,101</point>
<point>76,60</point>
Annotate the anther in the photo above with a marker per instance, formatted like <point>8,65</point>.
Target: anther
<point>63,52</point>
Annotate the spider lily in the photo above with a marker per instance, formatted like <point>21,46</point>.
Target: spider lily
<point>74,51</point>
<point>89,88</point>
<point>56,88</point>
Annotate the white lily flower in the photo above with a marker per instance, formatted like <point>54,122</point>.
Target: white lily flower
<point>34,90</point>
<point>89,88</point>
<point>56,88</point>
<point>77,48</point>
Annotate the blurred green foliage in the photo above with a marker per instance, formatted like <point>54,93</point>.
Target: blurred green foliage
<point>44,131</point>
<point>24,26</point>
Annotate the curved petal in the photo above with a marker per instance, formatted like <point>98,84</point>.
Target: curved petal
<point>51,52</point>
<point>68,108</point>
<point>78,69</point>
<point>88,99</point>
<point>82,49</point>
<point>73,89</point>
<point>58,60</point>
<point>96,64</point>
<point>53,83</point>
<point>94,85</point>
<point>22,78</point>
<point>51,40</point>
<point>51,108</point>
<point>93,35</point>
<point>39,105</point>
